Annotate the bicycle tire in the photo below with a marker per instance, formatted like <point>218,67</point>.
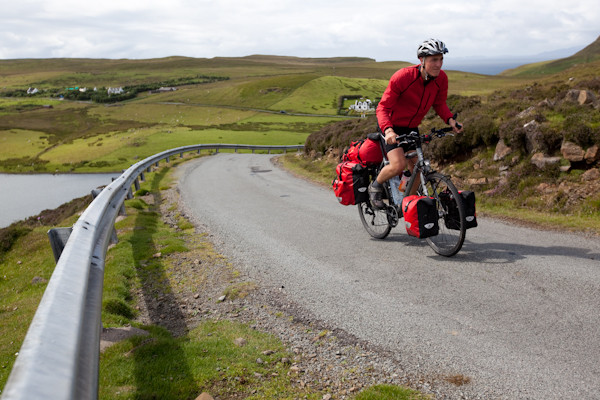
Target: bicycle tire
<point>452,228</point>
<point>375,221</point>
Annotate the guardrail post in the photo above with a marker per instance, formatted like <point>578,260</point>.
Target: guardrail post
<point>58,240</point>
<point>156,164</point>
<point>142,176</point>
<point>167,158</point>
<point>181,155</point>
<point>136,183</point>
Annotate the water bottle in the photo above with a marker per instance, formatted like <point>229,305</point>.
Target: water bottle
<point>405,178</point>
<point>397,195</point>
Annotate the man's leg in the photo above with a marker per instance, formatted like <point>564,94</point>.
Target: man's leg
<point>394,168</point>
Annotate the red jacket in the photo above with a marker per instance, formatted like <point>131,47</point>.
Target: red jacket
<point>407,99</point>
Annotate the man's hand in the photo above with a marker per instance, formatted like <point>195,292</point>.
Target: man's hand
<point>457,127</point>
<point>390,136</point>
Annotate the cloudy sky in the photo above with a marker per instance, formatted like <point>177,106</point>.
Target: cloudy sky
<point>382,29</point>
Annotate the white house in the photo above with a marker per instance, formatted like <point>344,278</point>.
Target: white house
<point>32,91</point>
<point>362,106</point>
<point>118,90</point>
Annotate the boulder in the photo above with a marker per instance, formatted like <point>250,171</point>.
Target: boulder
<point>502,150</point>
<point>585,97</point>
<point>572,96</point>
<point>591,175</point>
<point>592,154</point>
<point>572,151</point>
<point>533,136</point>
<point>540,160</point>
<point>546,103</point>
<point>526,113</point>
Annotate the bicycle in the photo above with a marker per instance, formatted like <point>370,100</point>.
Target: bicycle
<point>450,207</point>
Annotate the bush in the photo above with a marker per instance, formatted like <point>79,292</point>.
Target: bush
<point>9,235</point>
<point>339,134</point>
<point>482,130</point>
<point>549,139</point>
<point>576,130</point>
<point>514,135</point>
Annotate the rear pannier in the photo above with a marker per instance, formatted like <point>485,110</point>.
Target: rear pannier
<point>350,183</point>
<point>420,216</point>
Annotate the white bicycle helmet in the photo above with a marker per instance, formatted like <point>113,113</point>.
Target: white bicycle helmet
<point>431,47</point>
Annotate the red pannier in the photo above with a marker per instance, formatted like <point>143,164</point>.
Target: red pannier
<point>350,183</point>
<point>420,216</point>
<point>366,151</point>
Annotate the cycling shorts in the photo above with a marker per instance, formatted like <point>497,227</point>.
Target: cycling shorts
<point>405,145</point>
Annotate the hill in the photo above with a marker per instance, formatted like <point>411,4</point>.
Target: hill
<point>587,55</point>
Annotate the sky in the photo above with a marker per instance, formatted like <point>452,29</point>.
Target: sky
<point>385,30</point>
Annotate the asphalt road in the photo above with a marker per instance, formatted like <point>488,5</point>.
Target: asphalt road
<point>517,310</point>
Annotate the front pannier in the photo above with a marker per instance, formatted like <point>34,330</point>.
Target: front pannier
<point>420,216</point>
<point>350,183</point>
<point>451,218</point>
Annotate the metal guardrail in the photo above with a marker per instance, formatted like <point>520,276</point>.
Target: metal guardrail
<point>60,354</point>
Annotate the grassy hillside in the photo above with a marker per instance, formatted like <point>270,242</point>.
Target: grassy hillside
<point>589,54</point>
<point>265,99</point>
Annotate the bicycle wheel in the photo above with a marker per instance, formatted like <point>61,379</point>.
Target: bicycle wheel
<point>451,212</point>
<point>375,221</point>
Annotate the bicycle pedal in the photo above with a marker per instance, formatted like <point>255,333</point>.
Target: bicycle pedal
<point>392,216</point>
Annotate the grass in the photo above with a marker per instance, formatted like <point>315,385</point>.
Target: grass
<point>15,143</point>
<point>205,360</point>
<point>506,209</point>
<point>24,273</point>
<point>390,392</point>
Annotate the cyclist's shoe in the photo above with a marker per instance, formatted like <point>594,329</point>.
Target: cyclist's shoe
<point>375,195</point>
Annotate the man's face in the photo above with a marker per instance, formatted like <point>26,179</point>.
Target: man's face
<point>433,64</point>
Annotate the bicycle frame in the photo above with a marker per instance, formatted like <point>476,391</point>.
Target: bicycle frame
<point>422,168</point>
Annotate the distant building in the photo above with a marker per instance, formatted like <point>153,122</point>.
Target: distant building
<point>118,90</point>
<point>164,89</point>
<point>362,106</point>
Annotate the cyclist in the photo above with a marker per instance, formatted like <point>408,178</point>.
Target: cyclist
<point>411,92</point>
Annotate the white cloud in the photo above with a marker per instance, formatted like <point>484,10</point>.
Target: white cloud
<point>384,30</point>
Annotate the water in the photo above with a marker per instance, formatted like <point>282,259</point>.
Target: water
<point>22,196</point>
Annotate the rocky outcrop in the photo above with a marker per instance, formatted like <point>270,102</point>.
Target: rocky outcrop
<point>502,150</point>
<point>540,160</point>
<point>572,152</point>
<point>592,155</point>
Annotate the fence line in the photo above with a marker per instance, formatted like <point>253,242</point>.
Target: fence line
<point>60,353</point>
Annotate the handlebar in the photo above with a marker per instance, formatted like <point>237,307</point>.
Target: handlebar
<point>426,138</point>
